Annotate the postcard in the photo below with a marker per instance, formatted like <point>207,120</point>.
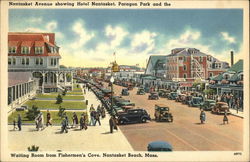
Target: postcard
<point>124,80</point>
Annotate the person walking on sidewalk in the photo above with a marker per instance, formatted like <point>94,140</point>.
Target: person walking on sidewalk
<point>225,118</point>
<point>48,122</point>
<point>19,122</point>
<point>97,118</point>
<point>64,125</point>
<point>83,122</point>
<point>14,124</point>
<point>112,124</point>
<point>92,117</point>
<point>75,120</point>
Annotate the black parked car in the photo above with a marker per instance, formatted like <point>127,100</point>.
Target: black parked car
<point>134,116</point>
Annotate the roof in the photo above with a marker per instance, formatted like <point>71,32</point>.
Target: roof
<point>18,39</point>
<point>153,59</point>
<point>237,67</point>
<point>187,52</point>
<point>15,78</point>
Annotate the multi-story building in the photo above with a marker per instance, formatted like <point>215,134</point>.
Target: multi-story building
<point>189,64</point>
<point>38,54</point>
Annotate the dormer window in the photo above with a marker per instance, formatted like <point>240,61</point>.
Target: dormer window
<point>25,50</point>
<point>226,76</point>
<point>39,50</point>
<point>12,49</point>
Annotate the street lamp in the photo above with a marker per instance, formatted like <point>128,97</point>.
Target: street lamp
<point>112,81</point>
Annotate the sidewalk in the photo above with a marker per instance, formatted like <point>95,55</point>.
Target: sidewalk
<point>95,138</point>
<point>239,114</point>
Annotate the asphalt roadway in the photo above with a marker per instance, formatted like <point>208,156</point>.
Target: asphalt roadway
<point>185,133</point>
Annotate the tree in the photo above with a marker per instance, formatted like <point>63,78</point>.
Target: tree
<point>64,92</point>
<point>32,113</point>
<point>61,112</point>
<point>59,99</point>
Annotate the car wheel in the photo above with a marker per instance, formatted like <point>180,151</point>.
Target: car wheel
<point>121,122</point>
<point>143,120</point>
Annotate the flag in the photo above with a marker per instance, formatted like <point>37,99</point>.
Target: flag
<point>114,54</point>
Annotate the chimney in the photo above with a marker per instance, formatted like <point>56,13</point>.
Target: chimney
<point>232,58</point>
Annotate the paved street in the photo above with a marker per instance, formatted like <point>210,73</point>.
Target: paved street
<point>185,133</point>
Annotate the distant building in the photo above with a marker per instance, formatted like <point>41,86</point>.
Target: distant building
<point>38,54</point>
<point>189,64</point>
<point>230,81</point>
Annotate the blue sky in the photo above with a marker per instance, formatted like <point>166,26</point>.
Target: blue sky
<point>89,37</point>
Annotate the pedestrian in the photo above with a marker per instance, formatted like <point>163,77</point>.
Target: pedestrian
<point>64,125</point>
<point>14,124</point>
<point>87,102</point>
<point>97,118</point>
<point>19,122</point>
<point>202,116</point>
<point>103,112</point>
<point>92,117</point>
<point>48,122</point>
<point>83,122</point>
<point>75,120</point>
<point>225,118</point>
<point>111,124</point>
<point>84,91</point>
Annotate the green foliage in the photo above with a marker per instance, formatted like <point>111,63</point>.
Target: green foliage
<point>64,92</point>
<point>59,99</point>
<point>33,148</point>
<point>32,113</point>
<point>209,91</point>
<point>61,112</point>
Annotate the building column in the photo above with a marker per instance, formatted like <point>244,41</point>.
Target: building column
<point>43,74</point>
<point>57,78</point>
<point>65,78</point>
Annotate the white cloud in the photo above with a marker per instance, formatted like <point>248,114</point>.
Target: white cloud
<point>34,20</point>
<point>83,36</point>
<point>51,26</point>
<point>115,34</point>
<point>143,42</point>
<point>227,37</point>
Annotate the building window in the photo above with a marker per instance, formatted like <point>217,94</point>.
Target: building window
<point>12,49</point>
<point>41,61</point>
<point>23,61</point>
<point>25,50</point>
<point>184,59</point>
<point>9,61</point>
<point>55,61</point>
<point>180,58</point>
<point>185,76</point>
<point>14,61</point>
<point>226,76</point>
<point>37,61</point>
<point>51,62</point>
<point>201,58</point>
<point>210,74</point>
<point>38,50</point>
<point>241,77</point>
<point>185,67</point>
<point>27,61</point>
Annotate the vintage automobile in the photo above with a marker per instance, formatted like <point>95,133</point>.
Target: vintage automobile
<point>133,116</point>
<point>160,146</point>
<point>180,98</point>
<point>153,96</point>
<point>162,113</point>
<point>172,95</point>
<point>207,105</point>
<point>140,91</point>
<point>187,99</point>
<point>130,86</point>
<point>125,92</point>
<point>220,108</point>
<point>195,102</point>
